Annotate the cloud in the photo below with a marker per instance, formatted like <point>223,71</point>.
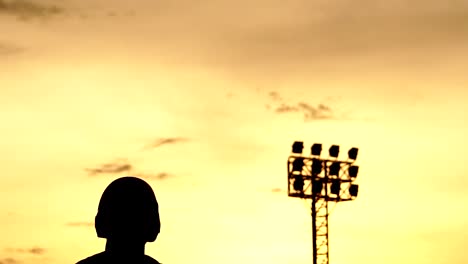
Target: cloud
<point>315,113</point>
<point>37,251</point>
<point>125,166</point>
<point>276,190</point>
<point>120,166</point>
<point>25,9</point>
<point>9,49</point>
<point>115,167</point>
<point>284,108</point>
<point>33,250</point>
<point>275,96</point>
<point>152,176</point>
<point>271,40</point>
<point>9,261</point>
<point>80,224</point>
<point>165,141</point>
<point>309,112</point>
<point>303,37</point>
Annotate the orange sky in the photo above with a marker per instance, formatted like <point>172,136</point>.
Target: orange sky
<point>87,83</point>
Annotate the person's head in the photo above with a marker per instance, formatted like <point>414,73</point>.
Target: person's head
<point>128,211</point>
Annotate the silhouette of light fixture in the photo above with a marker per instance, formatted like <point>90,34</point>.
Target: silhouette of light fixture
<point>298,183</point>
<point>353,190</point>
<point>297,147</point>
<point>335,168</point>
<point>335,187</point>
<point>306,181</point>
<point>316,166</point>
<point>298,164</point>
<point>334,151</point>
<point>353,171</point>
<point>352,153</point>
<point>317,186</point>
<point>316,149</point>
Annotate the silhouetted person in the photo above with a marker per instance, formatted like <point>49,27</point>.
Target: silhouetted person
<point>128,217</point>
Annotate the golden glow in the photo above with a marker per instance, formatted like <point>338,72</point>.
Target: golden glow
<point>91,91</point>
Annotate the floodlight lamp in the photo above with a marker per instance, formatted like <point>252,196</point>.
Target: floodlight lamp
<point>334,151</point>
<point>352,153</point>
<point>316,166</point>
<point>335,169</point>
<point>335,187</point>
<point>317,186</point>
<point>297,147</point>
<point>298,183</point>
<point>353,171</point>
<point>316,149</point>
<point>298,164</point>
<point>353,190</point>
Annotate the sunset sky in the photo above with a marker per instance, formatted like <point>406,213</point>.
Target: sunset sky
<point>203,99</point>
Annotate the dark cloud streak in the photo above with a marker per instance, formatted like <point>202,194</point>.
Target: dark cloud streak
<point>9,261</point>
<point>276,190</point>
<point>37,251</point>
<point>24,9</point>
<point>116,167</point>
<point>315,113</point>
<point>120,166</point>
<point>307,37</point>
<point>153,176</point>
<point>165,141</point>
<point>275,96</point>
<point>310,112</point>
<point>9,49</point>
<point>33,250</point>
<point>284,108</point>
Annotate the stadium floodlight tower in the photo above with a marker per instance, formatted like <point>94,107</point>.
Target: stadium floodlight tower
<point>323,180</point>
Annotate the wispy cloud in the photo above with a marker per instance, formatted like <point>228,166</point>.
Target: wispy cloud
<point>275,96</point>
<point>315,112</point>
<point>26,9</point>
<point>164,141</point>
<point>124,165</point>
<point>9,49</point>
<point>80,224</point>
<point>33,250</point>
<point>9,261</point>
<point>37,251</point>
<point>115,167</point>
<point>309,112</point>
<point>284,108</point>
<point>276,190</point>
<point>287,37</point>
<point>153,176</point>
<point>120,166</point>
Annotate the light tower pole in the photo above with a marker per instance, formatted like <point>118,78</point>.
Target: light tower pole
<point>324,181</point>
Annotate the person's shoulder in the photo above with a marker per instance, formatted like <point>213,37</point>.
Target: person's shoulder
<point>94,259</point>
<point>150,260</point>
<point>102,257</point>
